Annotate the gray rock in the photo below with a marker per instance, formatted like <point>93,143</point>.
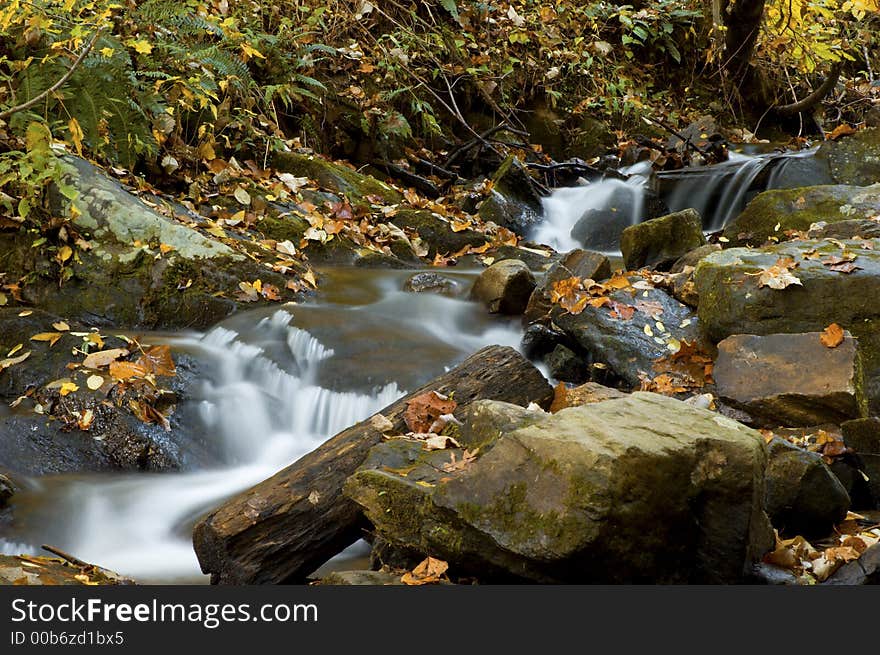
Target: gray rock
<point>659,242</point>
<point>863,571</point>
<point>505,287</point>
<point>638,489</point>
<point>692,257</point>
<point>791,379</point>
<point>803,495</point>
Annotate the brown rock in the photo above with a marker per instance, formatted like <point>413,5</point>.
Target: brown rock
<point>505,287</point>
<point>791,379</point>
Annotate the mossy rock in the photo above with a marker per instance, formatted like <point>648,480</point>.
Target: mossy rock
<point>854,159</point>
<point>436,231</point>
<point>637,489</point>
<point>773,213</point>
<point>355,186</point>
<point>660,241</point>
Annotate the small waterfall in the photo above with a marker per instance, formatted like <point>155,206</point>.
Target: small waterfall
<point>594,215</point>
<point>266,401</point>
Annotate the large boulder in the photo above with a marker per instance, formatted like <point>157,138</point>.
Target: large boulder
<point>659,242</point>
<point>854,159</point>
<point>791,379</point>
<point>638,489</point>
<point>773,213</point>
<point>731,300</point>
<point>803,495</point>
<point>505,287</point>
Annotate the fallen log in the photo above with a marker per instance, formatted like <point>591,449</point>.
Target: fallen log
<point>284,528</point>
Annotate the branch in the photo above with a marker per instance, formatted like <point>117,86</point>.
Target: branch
<point>52,89</point>
<point>814,98</point>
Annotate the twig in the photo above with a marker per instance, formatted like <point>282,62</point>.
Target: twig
<point>52,89</point>
<point>70,558</point>
<point>687,141</point>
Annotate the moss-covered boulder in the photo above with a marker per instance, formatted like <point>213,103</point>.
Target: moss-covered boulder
<point>854,159</point>
<point>733,302</point>
<point>803,495</point>
<point>660,241</point>
<point>357,187</point>
<point>638,489</point>
<point>771,214</point>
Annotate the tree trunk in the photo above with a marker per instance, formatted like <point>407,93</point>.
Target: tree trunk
<point>284,528</point>
<point>743,22</point>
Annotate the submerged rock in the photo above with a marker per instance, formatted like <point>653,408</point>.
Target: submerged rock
<point>791,379</point>
<point>431,283</point>
<point>659,242</point>
<point>803,495</point>
<point>504,287</point>
<point>638,489</point>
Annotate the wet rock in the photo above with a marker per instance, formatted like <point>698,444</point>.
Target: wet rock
<point>683,288</point>
<point>631,347</point>
<point>803,495</point>
<point>659,242</point>
<point>37,571</point>
<point>638,489</point>
<point>863,571</point>
<point>567,366</point>
<point>539,340</point>
<point>600,229</point>
<point>7,490</point>
<point>800,171</point>
<point>588,393</point>
<point>731,302</point>
<point>768,574</point>
<point>537,258</point>
<point>513,202</point>
<point>587,264</point>
<point>361,578</point>
<point>854,159</point>
<point>791,379</point>
<point>863,436</point>
<point>504,287</point>
<point>431,283</point>
<point>773,213</point>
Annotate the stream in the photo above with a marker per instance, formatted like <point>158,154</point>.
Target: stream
<point>279,381</point>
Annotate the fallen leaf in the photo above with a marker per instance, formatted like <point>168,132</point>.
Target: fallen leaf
<point>560,398</point>
<point>158,361</point>
<point>454,464</point>
<point>51,337</point>
<point>103,358</point>
<point>61,326</point>
<point>94,382</point>
<point>12,361</point>
<point>242,196</point>
<point>68,387</point>
<point>126,370</point>
<point>427,572</point>
<point>85,421</point>
<point>423,410</point>
<point>832,336</point>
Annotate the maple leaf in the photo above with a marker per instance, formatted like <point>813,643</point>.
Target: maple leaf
<point>832,336</point>
<point>778,276</point>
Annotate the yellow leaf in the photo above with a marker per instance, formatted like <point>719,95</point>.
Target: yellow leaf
<point>26,312</point>
<point>249,51</point>
<point>51,337</point>
<point>67,387</point>
<point>107,52</point>
<point>76,134</point>
<point>94,382</point>
<point>61,326</point>
<point>64,253</point>
<point>309,277</point>
<point>141,46</point>
<point>164,248</point>
<point>15,350</point>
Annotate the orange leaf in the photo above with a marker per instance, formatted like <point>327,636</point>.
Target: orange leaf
<point>424,409</point>
<point>832,336</point>
<point>427,572</point>
<point>157,360</point>
<point>127,370</point>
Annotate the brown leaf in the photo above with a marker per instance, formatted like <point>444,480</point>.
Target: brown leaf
<point>157,360</point>
<point>126,370</point>
<point>424,409</point>
<point>560,398</point>
<point>832,336</point>
<point>844,267</point>
<point>429,571</point>
<point>454,464</point>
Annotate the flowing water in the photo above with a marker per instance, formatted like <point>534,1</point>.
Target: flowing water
<point>278,382</point>
<point>594,214</point>
<point>274,392</point>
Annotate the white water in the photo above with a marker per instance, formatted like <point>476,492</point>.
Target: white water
<point>719,193</point>
<point>262,409</point>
